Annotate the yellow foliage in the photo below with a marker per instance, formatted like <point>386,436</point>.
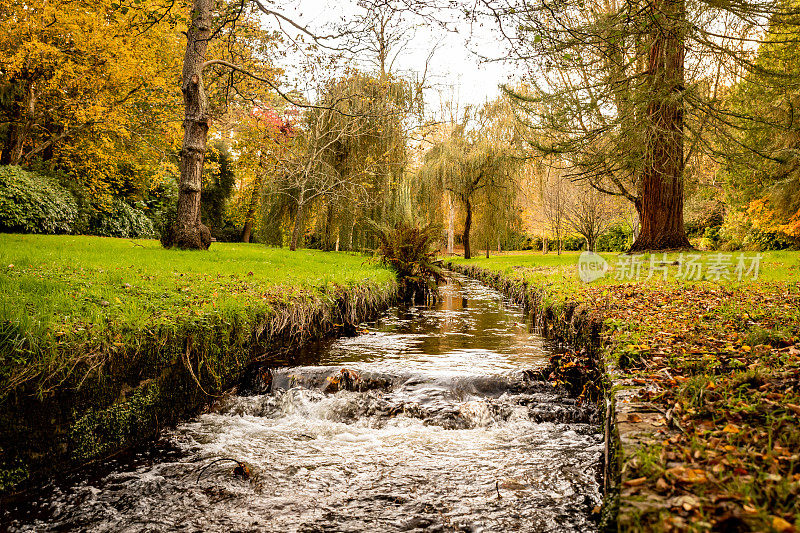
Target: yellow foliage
<point>99,84</point>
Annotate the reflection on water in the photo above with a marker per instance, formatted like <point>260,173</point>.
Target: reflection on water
<point>438,427</point>
<point>470,329</point>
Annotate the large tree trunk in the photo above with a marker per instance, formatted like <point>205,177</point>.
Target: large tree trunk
<point>187,231</point>
<point>467,227</point>
<point>298,226</point>
<point>660,204</point>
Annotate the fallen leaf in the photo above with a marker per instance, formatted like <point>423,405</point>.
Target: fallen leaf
<point>688,475</point>
<point>781,525</point>
<point>635,482</point>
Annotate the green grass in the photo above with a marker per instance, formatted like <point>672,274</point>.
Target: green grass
<point>561,270</point>
<point>60,291</point>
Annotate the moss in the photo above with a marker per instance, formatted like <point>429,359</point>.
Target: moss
<point>12,475</point>
<point>99,431</point>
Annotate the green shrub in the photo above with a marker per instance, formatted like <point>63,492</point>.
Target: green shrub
<point>410,250</point>
<point>618,238</point>
<point>122,220</point>
<point>573,243</point>
<point>757,239</point>
<point>33,203</point>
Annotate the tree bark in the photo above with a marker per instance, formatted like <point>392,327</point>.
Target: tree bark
<point>21,126</point>
<point>660,204</point>
<point>450,230</point>
<point>298,225</point>
<point>252,208</point>
<point>467,226</point>
<point>187,231</point>
<point>329,226</point>
<point>558,242</point>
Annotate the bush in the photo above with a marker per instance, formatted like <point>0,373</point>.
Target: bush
<point>573,243</point>
<point>739,233</point>
<point>410,250</point>
<point>708,239</point>
<point>618,238</point>
<point>534,243</point>
<point>33,203</point>
<point>765,241</point>
<point>122,221</point>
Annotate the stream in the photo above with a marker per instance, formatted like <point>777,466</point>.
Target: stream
<point>430,419</point>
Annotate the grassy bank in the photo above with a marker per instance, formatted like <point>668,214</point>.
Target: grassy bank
<point>105,340</point>
<point>706,375</point>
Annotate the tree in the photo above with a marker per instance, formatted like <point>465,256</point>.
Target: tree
<point>187,231</point>
<point>317,166</point>
<point>554,206</point>
<point>470,163</point>
<point>589,213</point>
<point>263,140</point>
<point>79,95</point>
<point>608,91</point>
<point>761,163</point>
<point>218,184</point>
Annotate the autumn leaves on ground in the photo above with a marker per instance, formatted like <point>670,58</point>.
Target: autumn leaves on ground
<point>718,364</point>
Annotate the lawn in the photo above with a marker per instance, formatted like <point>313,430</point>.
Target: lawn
<point>719,359</point>
<point>74,291</point>
<point>562,270</point>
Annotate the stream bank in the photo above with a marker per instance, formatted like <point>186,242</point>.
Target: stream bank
<point>124,395</point>
<point>702,388</point>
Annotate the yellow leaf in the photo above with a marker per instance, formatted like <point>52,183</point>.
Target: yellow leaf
<point>781,525</point>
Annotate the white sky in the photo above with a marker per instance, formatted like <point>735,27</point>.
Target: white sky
<point>455,71</point>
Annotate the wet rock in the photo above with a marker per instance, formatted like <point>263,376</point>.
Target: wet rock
<point>257,379</point>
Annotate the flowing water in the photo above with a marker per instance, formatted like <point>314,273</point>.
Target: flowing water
<point>429,420</point>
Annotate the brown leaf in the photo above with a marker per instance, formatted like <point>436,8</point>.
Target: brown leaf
<point>635,482</point>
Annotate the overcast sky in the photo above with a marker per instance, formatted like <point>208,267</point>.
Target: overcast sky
<point>454,69</point>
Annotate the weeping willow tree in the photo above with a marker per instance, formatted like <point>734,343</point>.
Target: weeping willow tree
<point>374,161</point>
<point>349,152</point>
<point>477,166</point>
